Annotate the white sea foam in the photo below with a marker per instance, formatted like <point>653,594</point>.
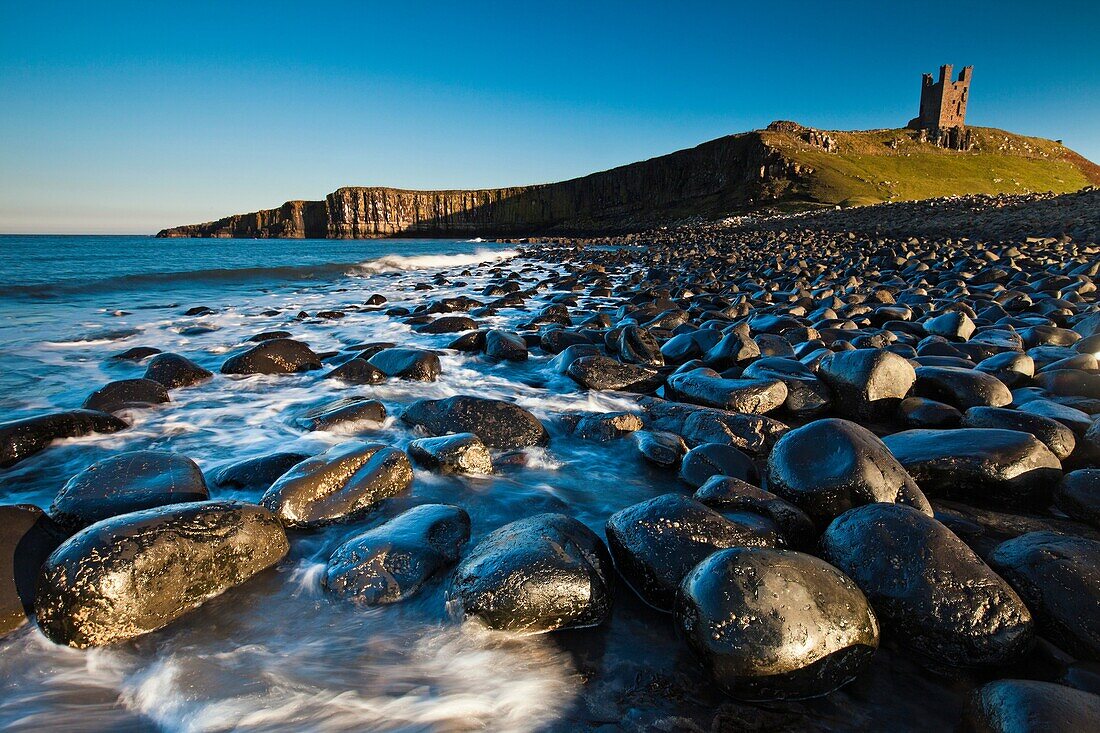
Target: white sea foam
<point>402,263</point>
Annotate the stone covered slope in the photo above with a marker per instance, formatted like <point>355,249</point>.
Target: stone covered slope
<point>786,166</point>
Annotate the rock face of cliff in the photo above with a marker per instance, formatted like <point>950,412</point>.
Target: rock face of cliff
<point>785,165</point>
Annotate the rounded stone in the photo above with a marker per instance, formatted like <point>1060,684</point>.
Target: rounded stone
<point>127,482</point>
<point>538,574</point>
<point>775,624</point>
<point>136,573</point>
<point>497,423</point>
<point>274,356</point>
<point>829,466</point>
<point>928,588</point>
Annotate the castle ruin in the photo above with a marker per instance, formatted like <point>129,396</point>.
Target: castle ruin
<point>942,118</point>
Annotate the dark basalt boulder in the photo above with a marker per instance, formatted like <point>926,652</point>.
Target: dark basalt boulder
<point>659,447</point>
<point>137,353</point>
<point>867,383</point>
<point>340,484</point>
<point>136,573</point>
<point>716,459</point>
<point>351,412</point>
<point>753,433</point>
<point>954,325</point>
<point>921,412</point>
<point>829,466</point>
<point>20,439</point>
<point>1055,436</point>
<point>561,361</point>
<point>505,346</point>
<point>638,346</point>
<point>127,393</point>
<point>736,347</point>
<point>256,474</point>
<point>1028,706</point>
<point>357,371</point>
<point>175,371</point>
<point>415,364</point>
<point>928,588</point>
<point>458,453</point>
<point>655,543</point>
<point>27,537</point>
<point>394,560</point>
<point>963,388</point>
<point>1058,576</point>
<point>128,482</point>
<point>1012,368</point>
<point>775,624</point>
<point>806,394</point>
<point>449,324</point>
<point>1078,495</point>
<point>602,427</point>
<point>982,464</point>
<point>603,372</point>
<point>269,335</point>
<point>497,423</point>
<point>542,573</point>
<point>274,356</point>
<point>706,387</point>
<point>727,494</point>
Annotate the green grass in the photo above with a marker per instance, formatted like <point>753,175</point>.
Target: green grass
<point>889,165</point>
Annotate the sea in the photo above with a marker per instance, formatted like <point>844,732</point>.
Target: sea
<point>277,653</point>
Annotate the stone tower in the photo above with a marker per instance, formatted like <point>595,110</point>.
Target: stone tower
<point>943,103</point>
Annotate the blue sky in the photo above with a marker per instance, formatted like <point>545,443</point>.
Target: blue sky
<point>129,117</point>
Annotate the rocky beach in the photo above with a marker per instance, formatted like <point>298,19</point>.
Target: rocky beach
<point>834,471</point>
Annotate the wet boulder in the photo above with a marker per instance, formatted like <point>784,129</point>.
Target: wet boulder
<point>774,624</point>
<point>256,474</point>
<point>136,573</point>
<point>1078,495</point>
<point>867,383</point>
<point>415,364</point>
<point>175,371</point>
<point>716,459</point>
<point>505,346</point>
<point>636,345</point>
<point>603,372</point>
<point>394,560</point>
<point>351,413</point>
<point>1012,368</point>
<point>458,453</point>
<point>921,412</point>
<point>602,427</point>
<point>563,359</point>
<point>659,447</point>
<point>1058,576</point>
<point>449,324</point>
<point>126,393</point>
<point>20,439</point>
<point>806,394</point>
<point>708,388</point>
<point>928,588</point>
<point>829,466</point>
<point>542,573</point>
<point>127,482</point>
<point>274,356</point>
<point>954,325</point>
<point>27,537</point>
<point>497,423</point>
<point>1029,706</point>
<point>357,371</point>
<point>727,494</point>
<point>963,388</point>
<point>340,484</point>
<point>655,543</point>
<point>1054,435</point>
<point>978,464</point>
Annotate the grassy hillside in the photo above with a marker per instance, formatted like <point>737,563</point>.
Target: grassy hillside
<point>890,165</point>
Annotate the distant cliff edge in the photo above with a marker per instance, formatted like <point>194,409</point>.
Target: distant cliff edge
<point>786,166</point>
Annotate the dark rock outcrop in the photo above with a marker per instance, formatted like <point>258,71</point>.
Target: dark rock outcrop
<point>497,423</point>
<point>22,438</point>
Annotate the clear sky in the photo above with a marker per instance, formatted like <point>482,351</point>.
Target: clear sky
<point>130,117</point>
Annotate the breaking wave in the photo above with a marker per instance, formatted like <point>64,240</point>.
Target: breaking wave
<point>404,263</point>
